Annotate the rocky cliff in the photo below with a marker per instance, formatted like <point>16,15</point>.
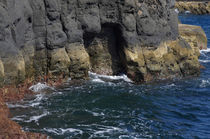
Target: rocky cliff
<point>49,38</point>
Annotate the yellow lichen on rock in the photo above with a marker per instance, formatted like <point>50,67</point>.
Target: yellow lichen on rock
<point>14,69</point>
<point>195,36</point>
<point>1,72</point>
<point>1,69</point>
<point>170,59</point>
<point>59,61</point>
<point>79,60</point>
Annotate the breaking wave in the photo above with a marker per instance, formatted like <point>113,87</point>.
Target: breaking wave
<point>204,83</point>
<point>40,87</point>
<point>61,131</point>
<point>105,78</point>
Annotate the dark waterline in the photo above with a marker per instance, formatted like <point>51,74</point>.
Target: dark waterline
<point>97,109</point>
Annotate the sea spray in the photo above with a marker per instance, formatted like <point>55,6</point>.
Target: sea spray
<point>105,78</point>
<point>39,87</point>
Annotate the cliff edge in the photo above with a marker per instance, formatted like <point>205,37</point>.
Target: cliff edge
<point>50,38</point>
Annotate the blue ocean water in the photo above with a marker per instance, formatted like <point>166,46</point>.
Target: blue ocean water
<point>116,108</point>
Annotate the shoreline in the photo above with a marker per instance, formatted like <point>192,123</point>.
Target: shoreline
<point>194,7</point>
<point>9,128</point>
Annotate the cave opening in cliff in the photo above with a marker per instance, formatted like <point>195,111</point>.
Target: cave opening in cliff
<point>106,50</point>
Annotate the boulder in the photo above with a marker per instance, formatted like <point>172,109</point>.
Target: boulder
<point>171,59</point>
<point>195,36</point>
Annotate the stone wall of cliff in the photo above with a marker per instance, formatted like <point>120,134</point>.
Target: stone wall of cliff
<point>40,38</point>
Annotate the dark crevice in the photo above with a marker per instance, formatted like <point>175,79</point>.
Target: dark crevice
<point>111,57</point>
<point>46,42</point>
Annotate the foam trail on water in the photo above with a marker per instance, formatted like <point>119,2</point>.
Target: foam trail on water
<point>37,100</point>
<point>102,78</point>
<point>204,61</point>
<point>16,105</point>
<point>61,131</point>
<point>205,50</point>
<point>36,118</point>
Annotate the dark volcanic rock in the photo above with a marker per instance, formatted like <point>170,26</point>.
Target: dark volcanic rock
<point>70,37</point>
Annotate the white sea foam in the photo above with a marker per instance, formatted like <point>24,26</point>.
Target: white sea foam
<point>28,103</point>
<point>205,53</point>
<point>16,105</point>
<point>177,11</point>
<point>18,118</point>
<point>35,102</point>
<point>104,130</point>
<point>204,83</point>
<point>108,130</point>
<point>187,12</point>
<point>171,85</point>
<point>61,131</point>
<point>36,118</point>
<point>39,87</point>
<point>204,61</point>
<point>205,50</point>
<point>95,113</point>
<point>102,78</point>
<point>98,80</point>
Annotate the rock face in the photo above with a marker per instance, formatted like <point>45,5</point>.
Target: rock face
<point>49,38</point>
<point>195,7</point>
<point>195,36</point>
<point>170,60</point>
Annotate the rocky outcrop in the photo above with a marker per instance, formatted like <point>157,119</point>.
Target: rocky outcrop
<point>172,59</point>
<point>195,7</point>
<point>195,36</point>
<point>49,38</point>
